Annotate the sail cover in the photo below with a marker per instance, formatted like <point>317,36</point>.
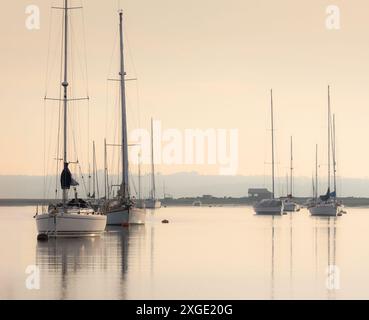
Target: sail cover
<point>66,179</point>
<point>326,196</point>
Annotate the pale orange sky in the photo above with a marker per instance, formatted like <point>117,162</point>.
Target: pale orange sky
<point>205,64</point>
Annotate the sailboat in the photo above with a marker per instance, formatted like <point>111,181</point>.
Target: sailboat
<point>123,209</point>
<point>289,204</point>
<point>339,204</point>
<point>270,206</point>
<point>328,205</point>
<point>140,203</point>
<point>94,195</point>
<point>152,202</point>
<point>312,201</point>
<point>73,217</point>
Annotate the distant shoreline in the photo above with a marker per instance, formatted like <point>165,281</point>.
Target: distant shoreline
<point>188,201</point>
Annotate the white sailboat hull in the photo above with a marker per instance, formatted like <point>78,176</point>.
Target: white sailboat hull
<point>137,216</point>
<point>117,218</point>
<point>268,211</point>
<point>325,209</point>
<point>125,216</point>
<point>291,207</point>
<point>70,225</point>
<point>269,207</point>
<point>152,204</point>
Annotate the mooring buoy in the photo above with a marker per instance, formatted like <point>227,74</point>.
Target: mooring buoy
<point>42,237</point>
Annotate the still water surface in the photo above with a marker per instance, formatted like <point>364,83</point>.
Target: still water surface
<point>203,253</point>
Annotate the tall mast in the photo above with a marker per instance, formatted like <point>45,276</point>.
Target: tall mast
<point>316,172</point>
<point>291,169</point>
<point>89,180</point>
<point>272,121</point>
<point>334,153</point>
<point>287,178</point>
<point>94,170</point>
<point>329,138</point>
<point>153,191</point>
<point>139,176</point>
<point>313,185</point>
<point>65,97</point>
<point>105,171</point>
<point>125,185</point>
<point>97,189</point>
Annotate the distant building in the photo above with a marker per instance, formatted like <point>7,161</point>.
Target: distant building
<point>207,196</point>
<point>259,193</point>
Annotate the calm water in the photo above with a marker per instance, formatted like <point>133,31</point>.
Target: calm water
<point>204,253</point>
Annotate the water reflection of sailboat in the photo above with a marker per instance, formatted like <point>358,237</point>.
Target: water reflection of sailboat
<point>331,260</point>
<point>316,249</point>
<point>325,232</point>
<point>64,259</point>
<point>69,266</point>
<point>291,252</point>
<point>273,258</point>
<point>117,248</point>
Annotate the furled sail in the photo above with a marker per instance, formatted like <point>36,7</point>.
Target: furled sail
<point>326,196</point>
<point>66,179</point>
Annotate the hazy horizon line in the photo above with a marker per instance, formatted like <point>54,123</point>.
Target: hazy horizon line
<point>324,177</point>
<point>183,184</point>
